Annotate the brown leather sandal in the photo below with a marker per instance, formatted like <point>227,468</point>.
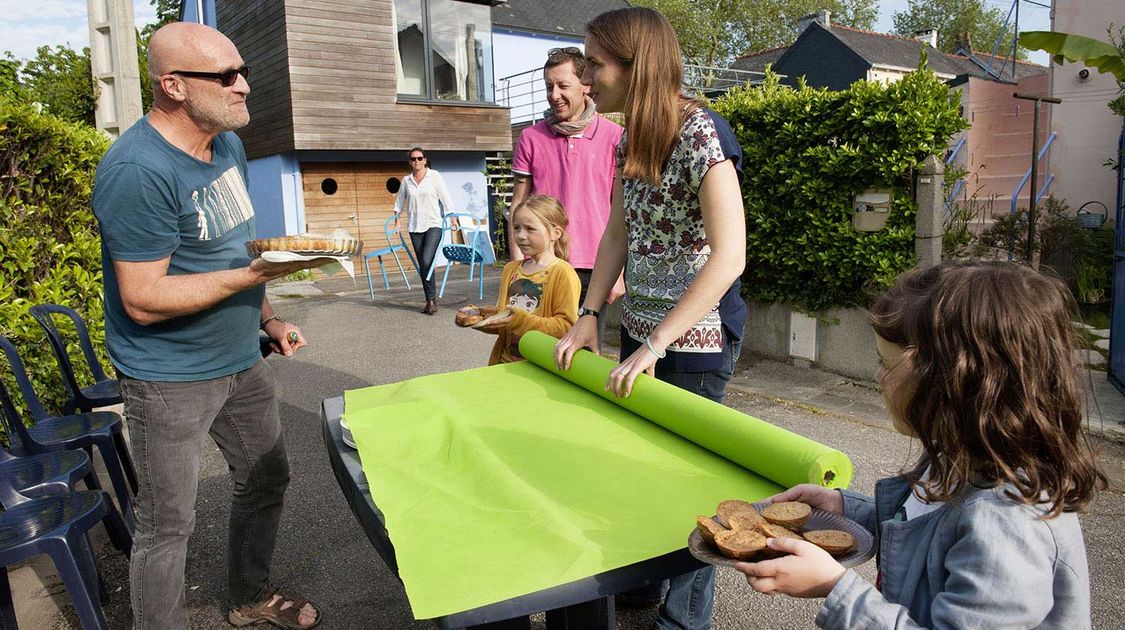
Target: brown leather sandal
<point>276,613</point>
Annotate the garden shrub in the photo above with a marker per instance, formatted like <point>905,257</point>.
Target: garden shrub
<point>49,245</point>
<point>807,153</point>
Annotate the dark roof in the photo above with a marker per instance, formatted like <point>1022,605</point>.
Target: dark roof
<point>555,17</point>
<point>758,61</point>
<point>893,50</point>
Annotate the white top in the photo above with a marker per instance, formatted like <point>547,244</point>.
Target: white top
<point>421,201</point>
<point>915,505</point>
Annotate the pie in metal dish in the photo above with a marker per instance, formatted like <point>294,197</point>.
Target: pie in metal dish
<point>306,244</point>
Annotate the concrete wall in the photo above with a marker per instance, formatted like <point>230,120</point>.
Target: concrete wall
<point>999,145</point>
<point>1087,130</point>
<point>845,342</point>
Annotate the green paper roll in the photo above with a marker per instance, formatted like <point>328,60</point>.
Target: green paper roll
<point>792,459</point>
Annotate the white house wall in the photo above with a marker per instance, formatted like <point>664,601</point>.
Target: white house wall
<point>516,52</point>
<point>1088,131</point>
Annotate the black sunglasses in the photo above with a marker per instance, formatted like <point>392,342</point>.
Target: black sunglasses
<point>569,50</point>
<point>417,159</point>
<point>227,77</point>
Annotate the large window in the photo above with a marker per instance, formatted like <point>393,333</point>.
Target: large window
<point>443,50</point>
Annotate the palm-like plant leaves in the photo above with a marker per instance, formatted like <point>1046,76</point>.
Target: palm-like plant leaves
<point>1095,53</point>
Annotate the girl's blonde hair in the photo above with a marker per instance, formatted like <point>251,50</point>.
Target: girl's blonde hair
<point>655,107</point>
<point>995,389</point>
<point>551,214</point>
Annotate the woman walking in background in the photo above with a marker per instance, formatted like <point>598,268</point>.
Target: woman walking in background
<point>677,228</point>
<point>426,200</point>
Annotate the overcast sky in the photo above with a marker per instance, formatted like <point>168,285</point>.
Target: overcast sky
<point>28,24</point>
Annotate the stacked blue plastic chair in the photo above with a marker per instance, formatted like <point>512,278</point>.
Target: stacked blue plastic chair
<point>392,249</point>
<point>459,254</point>
<point>101,429</point>
<point>55,525</point>
<point>53,472</point>
<point>105,391</point>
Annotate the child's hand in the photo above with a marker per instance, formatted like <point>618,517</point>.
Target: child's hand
<point>807,572</point>
<point>812,495</point>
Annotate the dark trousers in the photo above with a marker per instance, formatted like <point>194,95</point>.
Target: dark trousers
<point>167,425</point>
<point>584,281</point>
<point>688,598</point>
<point>425,248</point>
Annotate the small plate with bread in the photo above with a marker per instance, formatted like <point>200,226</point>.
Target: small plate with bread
<point>739,529</point>
<point>474,316</point>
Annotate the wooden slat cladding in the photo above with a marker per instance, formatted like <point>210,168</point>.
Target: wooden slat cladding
<point>257,28</point>
<point>343,87</point>
<point>361,205</point>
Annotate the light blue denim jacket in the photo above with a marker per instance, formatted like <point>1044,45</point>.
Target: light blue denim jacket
<point>981,561</point>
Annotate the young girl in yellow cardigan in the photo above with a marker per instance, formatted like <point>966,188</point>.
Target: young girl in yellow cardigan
<point>541,291</point>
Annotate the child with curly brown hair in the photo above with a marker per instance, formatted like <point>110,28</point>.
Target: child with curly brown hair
<point>977,362</point>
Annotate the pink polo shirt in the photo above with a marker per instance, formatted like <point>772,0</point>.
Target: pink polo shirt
<point>578,171</point>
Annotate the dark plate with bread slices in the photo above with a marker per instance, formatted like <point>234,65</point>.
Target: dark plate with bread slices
<point>834,532</point>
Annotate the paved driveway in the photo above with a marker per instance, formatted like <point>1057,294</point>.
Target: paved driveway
<point>323,555</point>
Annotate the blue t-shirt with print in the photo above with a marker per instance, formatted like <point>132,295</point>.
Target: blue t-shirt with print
<point>155,201</point>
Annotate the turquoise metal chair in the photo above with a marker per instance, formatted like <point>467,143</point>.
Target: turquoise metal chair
<point>391,249</point>
<point>459,254</point>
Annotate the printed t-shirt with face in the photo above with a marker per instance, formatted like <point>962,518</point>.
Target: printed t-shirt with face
<point>525,292</point>
<point>154,201</point>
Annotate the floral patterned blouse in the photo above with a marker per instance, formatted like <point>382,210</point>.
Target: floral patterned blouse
<point>667,245</point>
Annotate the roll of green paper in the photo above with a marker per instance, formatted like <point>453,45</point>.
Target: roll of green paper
<point>781,456</point>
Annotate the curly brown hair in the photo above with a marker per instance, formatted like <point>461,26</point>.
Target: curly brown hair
<point>995,389</point>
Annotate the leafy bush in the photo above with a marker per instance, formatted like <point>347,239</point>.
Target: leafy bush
<point>49,245</point>
<point>807,153</point>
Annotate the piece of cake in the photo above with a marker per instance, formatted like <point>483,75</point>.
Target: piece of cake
<point>790,514</point>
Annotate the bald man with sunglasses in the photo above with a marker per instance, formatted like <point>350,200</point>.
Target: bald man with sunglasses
<point>183,307</point>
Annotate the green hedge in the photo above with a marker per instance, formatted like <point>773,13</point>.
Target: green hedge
<point>49,245</point>
<point>807,152</point>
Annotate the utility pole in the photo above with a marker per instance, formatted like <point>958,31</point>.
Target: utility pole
<point>113,62</point>
<point>1031,214</point>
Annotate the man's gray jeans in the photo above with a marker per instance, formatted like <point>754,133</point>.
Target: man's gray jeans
<point>168,422</point>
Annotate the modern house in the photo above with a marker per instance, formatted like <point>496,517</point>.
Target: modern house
<point>342,90</point>
<point>996,151</point>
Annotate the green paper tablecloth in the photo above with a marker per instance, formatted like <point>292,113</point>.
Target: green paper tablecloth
<point>502,481</point>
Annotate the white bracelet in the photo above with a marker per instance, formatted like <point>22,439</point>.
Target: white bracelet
<point>658,355</point>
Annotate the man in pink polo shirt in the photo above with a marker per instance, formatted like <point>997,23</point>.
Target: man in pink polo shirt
<point>570,156</point>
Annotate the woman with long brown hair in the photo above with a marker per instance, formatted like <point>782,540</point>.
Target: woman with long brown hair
<point>677,228</point>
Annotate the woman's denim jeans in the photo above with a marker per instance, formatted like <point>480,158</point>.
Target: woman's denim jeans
<point>425,249</point>
<point>168,424</point>
<point>689,598</point>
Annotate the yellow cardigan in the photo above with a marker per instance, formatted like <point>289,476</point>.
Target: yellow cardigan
<point>555,313</point>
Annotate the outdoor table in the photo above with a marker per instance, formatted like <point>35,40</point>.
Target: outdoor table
<point>586,603</point>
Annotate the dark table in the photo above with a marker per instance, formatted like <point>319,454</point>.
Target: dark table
<point>585,604</point>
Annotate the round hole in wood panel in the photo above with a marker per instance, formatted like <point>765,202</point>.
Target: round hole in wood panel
<point>393,184</point>
<point>329,186</point>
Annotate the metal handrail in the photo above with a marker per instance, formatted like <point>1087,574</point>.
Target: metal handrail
<point>523,92</point>
<point>956,149</point>
<point>958,185</point>
<point>1027,176</point>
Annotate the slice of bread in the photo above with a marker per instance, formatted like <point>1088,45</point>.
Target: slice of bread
<point>741,544</point>
<point>745,520</point>
<point>833,541</point>
<point>730,507</point>
<point>790,514</point>
<point>708,528</point>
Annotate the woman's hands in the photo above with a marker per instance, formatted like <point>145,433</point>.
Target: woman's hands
<point>621,378</point>
<point>583,334</point>
<point>813,495</point>
<point>808,570</point>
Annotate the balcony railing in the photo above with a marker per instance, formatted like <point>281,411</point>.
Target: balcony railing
<point>525,95</point>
